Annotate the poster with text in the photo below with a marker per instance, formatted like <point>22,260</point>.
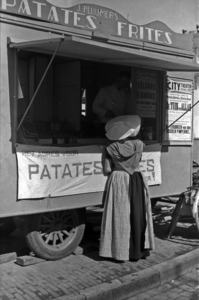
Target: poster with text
<point>146,94</point>
<point>179,101</point>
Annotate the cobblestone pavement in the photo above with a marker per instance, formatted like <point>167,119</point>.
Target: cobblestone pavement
<point>52,279</point>
<point>183,288</point>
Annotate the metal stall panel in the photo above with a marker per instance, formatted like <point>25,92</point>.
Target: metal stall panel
<point>176,171</point>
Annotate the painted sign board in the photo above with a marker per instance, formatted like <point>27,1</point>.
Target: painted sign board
<point>93,18</point>
<point>51,171</point>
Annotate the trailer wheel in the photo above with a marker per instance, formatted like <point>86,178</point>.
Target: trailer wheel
<point>7,226</point>
<point>55,235</point>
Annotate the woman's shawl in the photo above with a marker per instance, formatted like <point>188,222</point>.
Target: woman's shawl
<point>126,154</point>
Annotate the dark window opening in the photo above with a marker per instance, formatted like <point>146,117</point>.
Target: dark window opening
<point>62,111</point>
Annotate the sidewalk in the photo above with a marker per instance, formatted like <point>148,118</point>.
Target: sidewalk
<point>186,287</point>
<point>90,277</point>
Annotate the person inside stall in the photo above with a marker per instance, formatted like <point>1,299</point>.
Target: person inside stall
<point>114,100</point>
<point>127,227</point>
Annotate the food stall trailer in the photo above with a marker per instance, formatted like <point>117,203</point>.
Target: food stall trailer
<point>54,60</point>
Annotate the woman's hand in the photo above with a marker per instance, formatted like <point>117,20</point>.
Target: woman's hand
<point>107,165</point>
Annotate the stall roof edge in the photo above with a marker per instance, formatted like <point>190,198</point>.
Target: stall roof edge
<point>73,46</point>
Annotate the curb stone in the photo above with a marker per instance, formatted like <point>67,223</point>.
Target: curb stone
<point>4,258</point>
<point>130,285</point>
<point>72,297</point>
<point>177,266</point>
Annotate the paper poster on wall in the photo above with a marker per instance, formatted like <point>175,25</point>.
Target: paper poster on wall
<point>146,94</point>
<point>53,172</point>
<point>179,100</point>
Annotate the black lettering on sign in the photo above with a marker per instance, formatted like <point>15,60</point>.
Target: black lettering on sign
<point>141,165</point>
<point>86,168</point>
<point>45,173</point>
<point>66,173</point>
<point>98,167</point>
<point>56,168</point>
<point>150,165</point>
<point>148,178</point>
<point>27,153</point>
<point>77,168</point>
<point>33,169</point>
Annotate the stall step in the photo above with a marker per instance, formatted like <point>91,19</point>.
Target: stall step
<point>28,260</point>
<point>4,258</point>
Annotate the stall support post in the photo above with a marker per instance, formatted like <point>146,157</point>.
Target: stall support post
<point>15,96</point>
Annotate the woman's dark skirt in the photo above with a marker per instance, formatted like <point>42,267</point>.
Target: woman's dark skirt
<point>137,217</point>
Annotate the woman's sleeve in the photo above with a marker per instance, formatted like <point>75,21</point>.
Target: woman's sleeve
<point>107,164</point>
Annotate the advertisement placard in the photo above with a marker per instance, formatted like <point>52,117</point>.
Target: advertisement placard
<point>179,100</point>
<point>146,94</point>
<point>80,14</point>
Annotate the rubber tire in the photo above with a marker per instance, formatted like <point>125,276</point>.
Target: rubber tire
<point>38,246</point>
<point>7,226</point>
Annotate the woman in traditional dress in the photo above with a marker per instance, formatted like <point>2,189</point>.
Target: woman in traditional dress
<point>127,227</point>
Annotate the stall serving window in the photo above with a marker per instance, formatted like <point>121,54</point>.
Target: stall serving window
<point>105,60</point>
<point>62,110</point>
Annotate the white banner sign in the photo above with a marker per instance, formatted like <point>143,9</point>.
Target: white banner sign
<point>150,164</point>
<point>52,172</point>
